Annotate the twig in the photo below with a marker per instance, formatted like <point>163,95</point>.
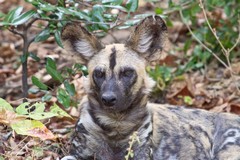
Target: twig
<point>183,6</point>
<point>29,24</point>
<point>11,29</point>
<point>226,52</point>
<point>238,40</point>
<point>115,39</point>
<point>74,20</point>
<point>200,42</point>
<point>18,145</point>
<point>85,4</point>
<point>210,27</point>
<point>117,23</point>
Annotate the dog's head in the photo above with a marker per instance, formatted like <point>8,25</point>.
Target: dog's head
<point>117,76</point>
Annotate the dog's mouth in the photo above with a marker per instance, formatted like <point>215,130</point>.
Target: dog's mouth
<point>110,108</point>
<point>117,108</point>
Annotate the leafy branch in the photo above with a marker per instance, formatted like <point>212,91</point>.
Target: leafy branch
<point>225,51</point>
<point>133,139</point>
<point>95,13</point>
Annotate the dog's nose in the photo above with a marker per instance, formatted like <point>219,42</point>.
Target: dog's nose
<point>109,99</point>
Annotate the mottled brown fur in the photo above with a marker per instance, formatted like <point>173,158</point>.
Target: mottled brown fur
<point>117,104</point>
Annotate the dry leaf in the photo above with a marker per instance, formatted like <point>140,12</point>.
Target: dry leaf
<point>221,108</point>
<point>33,128</point>
<point>9,117</point>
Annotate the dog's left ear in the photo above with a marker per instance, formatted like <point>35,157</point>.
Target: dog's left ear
<point>80,43</point>
<point>149,38</point>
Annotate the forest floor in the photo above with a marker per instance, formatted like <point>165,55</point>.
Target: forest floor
<point>211,88</point>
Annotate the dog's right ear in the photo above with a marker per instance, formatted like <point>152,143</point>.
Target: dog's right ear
<point>149,38</point>
<point>79,42</point>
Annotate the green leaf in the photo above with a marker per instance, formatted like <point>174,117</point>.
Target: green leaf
<point>129,23</point>
<point>132,5</point>
<point>72,12</point>
<point>40,107</point>
<point>171,3</point>
<point>78,67</point>
<point>98,12</point>
<point>158,10</point>
<point>199,65</point>
<point>169,22</point>
<point>35,111</point>
<point>52,70</point>
<point>187,45</point>
<point>27,109</point>
<point>23,18</point>
<point>2,15</point>
<point>132,22</point>
<point>195,9</point>
<point>34,2</point>
<point>24,57</point>
<point>228,10</point>
<point>188,100</point>
<point>142,16</point>
<point>123,27</point>
<point>5,105</point>
<point>38,83</point>
<point>41,115</point>
<point>65,10</point>
<point>33,90</point>
<point>56,109</point>
<point>34,56</point>
<point>4,24</point>
<point>46,97</point>
<point>121,8</point>
<point>114,2</point>
<point>42,36</point>
<point>47,7</point>
<point>63,97</point>
<point>70,88</point>
<point>13,14</point>
<point>51,63</point>
<point>81,15</point>
<point>97,16</point>
<point>24,108</point>
<point>58,38</point>
<point>54,73</point>
<point>61,3</point>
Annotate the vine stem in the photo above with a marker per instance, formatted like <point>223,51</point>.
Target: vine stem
<point>133,138</point>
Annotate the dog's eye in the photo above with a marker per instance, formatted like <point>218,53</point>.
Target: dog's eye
<point>99,73</point>
<point>128,73</point>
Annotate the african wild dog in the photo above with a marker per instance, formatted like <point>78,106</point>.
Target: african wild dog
<point>117,104</point>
